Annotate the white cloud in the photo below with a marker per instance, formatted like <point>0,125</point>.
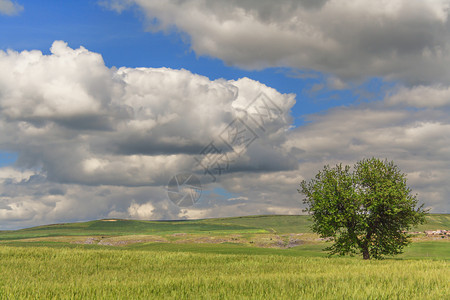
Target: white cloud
<point>421,97</point>
<point>336,84</point>
<point>400,39</point>
<point>141,211</point>
<point>416,140</point>
<point>14,175</point>
<point>84,123</point>
<point>117,5</point>
<point>8,7</point>
<point>77,123</point>
<point>95,142</point>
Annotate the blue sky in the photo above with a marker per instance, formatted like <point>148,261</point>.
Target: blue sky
<point>353,80</point>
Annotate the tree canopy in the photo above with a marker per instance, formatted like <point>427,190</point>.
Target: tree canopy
<point>365,210</point>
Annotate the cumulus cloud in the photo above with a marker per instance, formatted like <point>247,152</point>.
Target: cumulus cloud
<point>421,97</point>
<point>412,134</point>
<point>85,123</point>
<point>397,39</point>
<point>143,211</point>
<point>76,122</point>
<point>416,140</point>
<point>97,142</point>
<point>10,8</point>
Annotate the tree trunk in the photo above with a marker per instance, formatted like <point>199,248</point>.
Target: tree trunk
<point>365,245</point>
<point>366,254</point>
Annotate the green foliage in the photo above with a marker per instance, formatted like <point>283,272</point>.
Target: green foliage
<point>367,209</point>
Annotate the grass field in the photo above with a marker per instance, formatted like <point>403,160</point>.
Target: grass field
<point>48,273</point>
<point>250,224</point>
<point>258,257</point>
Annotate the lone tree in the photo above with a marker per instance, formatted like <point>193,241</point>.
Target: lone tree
<point>369,209</point>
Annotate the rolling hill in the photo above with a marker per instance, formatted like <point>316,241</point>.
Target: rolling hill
<point>270,224</point>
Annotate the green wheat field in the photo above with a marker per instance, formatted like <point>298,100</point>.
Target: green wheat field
<point>257,257</point>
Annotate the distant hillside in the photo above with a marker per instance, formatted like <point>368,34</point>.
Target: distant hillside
<point>248,224</point>
<point>435,221</point>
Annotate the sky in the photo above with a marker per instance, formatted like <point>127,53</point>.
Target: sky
<point>104,103</point>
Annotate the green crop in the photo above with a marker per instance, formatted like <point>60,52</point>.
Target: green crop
<point>68,273</point>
